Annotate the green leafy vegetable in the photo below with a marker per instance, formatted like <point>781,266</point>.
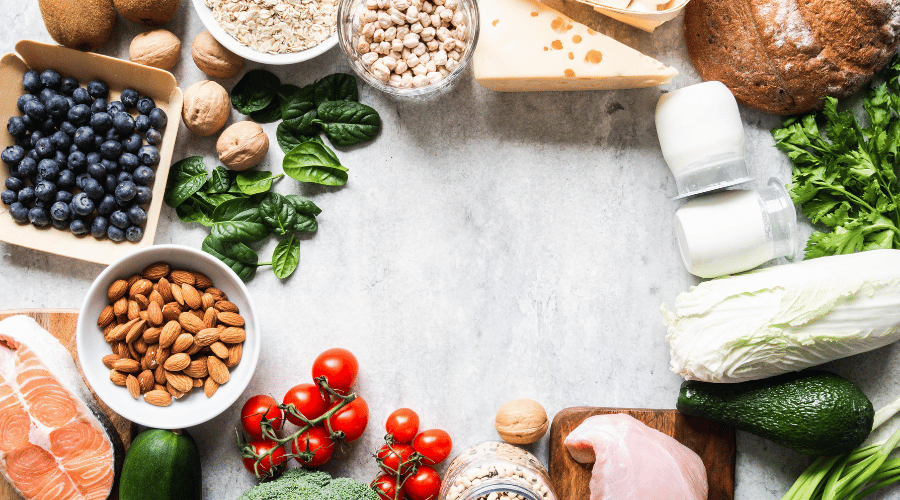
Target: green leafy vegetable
<point>271,113</point>
<point>347,123</point>
<point>297,102</point>
<point>286,257</point>
<point>278,214</point>
<point>186,178</point>
<point>316,163</point>
<point>219,250</point>
<point>336,87</point>
<point>192,211</point>
<point>219,181</point>
<point>255,91</point>
<point>303,205</point>
<point>241,231</point>
<point>256,182</point>
<point>288,139</point>
<point>844,176</point>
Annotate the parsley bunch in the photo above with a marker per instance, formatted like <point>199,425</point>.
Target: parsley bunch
<point>846,179</point>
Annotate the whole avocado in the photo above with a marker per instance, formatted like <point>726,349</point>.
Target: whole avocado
<point>149,12</point>
<point>813,412</point>
<point>79,24</point>
<point>161,465</point>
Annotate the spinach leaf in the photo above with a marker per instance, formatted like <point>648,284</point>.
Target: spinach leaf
<point>240,209</point>
<point>316,163</point>
<point>239,230</point>
<point>347,123</point>
<point>256,182</point>
<point>303,125</point>
<point>277,213</point>
<point>269,114</point>
<point>304,223</point>
<point>303,205</point>
<point>286,257</point>
<point>192,211</point>
<point>215,199</point>
<point>187,176</point>
<point>288,139</point>
<point>336,87</point>
<point>219,181</point>
<point>240,252</point>
<point>255,91</point>
<point>285,91</point>
<point>297,103</point>
<point>217,249</point>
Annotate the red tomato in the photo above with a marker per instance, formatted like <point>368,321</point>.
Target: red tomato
<point>386,488</point>
<point>339,367</point>
<point>403,424</point>
<point>434,444</point>
<point>253,411</point>
<point>318,442</point>
<point>307,399</point>
<point>351,419</point>
<point>391,457</point>
<point>425,484</point>
<point>260,447</point>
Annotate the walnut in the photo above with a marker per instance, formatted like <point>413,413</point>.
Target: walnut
<point>206,108</point>
<point>158,48</point>
<point>242,145</point>
<point>213,58</point>
<point>521,421</point>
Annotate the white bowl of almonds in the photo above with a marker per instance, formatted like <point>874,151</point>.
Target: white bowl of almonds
<point>408,48</point>
<point>167,337</point>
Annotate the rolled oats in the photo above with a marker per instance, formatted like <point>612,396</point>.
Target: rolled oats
<point>277,26</point>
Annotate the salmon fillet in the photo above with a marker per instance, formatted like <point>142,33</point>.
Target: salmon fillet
<point>55,443</point>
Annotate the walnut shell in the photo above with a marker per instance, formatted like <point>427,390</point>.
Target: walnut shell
<point>158,48</point>
<point>213,58</point>
<point>206,108</point>
<point>243,145</point>
<point>521,421</point>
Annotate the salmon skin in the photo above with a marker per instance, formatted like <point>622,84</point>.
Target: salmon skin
<point>55,442</point>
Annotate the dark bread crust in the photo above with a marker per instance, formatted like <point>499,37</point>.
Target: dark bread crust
<point>783,56</point>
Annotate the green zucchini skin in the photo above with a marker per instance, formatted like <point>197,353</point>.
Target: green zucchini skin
<point>161,465</point>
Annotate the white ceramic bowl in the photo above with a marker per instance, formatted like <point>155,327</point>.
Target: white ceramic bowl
<point>194,408</point>
<point>246,52</point>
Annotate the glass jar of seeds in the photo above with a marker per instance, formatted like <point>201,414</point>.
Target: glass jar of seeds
<point>496,471</point>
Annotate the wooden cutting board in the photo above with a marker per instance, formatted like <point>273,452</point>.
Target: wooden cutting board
<point>61,323</point>
<point>714,442</point>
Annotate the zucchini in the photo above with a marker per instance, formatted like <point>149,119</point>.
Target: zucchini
<point>161,465</point>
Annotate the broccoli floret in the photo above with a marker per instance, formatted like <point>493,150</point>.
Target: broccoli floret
<point>344,488</point>
<point>294,484</point>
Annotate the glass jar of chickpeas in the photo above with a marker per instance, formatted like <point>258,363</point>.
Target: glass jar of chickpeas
<point>496,471</point>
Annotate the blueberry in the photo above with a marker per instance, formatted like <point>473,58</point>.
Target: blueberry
<point>124,123</point>
<point>68,85</point>
<point>115,233</point>
<point>98,106</point>
<point>101,122</point>
<point>51,79</point>
<point>119,219</point>
<point>112,150</point>
<point>12,155</point>
<point>158,118</point>
<point>35,136</point>
<point>16,127</point>
<point>76,161</point>
<point>38,217</point>
<point>79,114</point>
<point>14,183</point>
<point>59,224</point>
<point>112,135</point>
<point>133,143</point>
<point>115,107</point>
<point>134,234</point>
<point>110,183</point>
<point>82,204</point>
<point>81,180</point>
<point>26,195</point>
<point>99,226</point>
<point>60,211</point>
<point>148,155</point>
<point>60,158</point>
<point>45,191</point>
<point>141,123</point>
<point>125,191</point>
<point>30,123</point>
<point>35,110</point>
<point>97,171</point>
<point>44,147</point>
<point>109,165</point>
<point>98,89</point>
<point>98,140</point>
<point>64,196</point>
<point>46,95</point>
<point>144,195</point>
<point>122,177</point>
<point>26,168</point>
<point>67,128</point>
<point>73,148</point>
<point>18,212</point>
<point>107,205</point>
<point>58,107</point>
<point>48,126</point>
<point>33,155</point>
<point>81,96</point>
<point>31,81</point>
<point>24,98</point>
<point>144,176</point>
<point>70,102</point>
<point>8,196</point>
<point>153,137</point>
<point>61,140</point>
<point>48,169</point>
<point>93,189</point>
<point>84,138</point>
<point>24,141</point>
<point>78,227</point>
<point>145,105</point>
<point>129,98</point>
<point>93,157</point>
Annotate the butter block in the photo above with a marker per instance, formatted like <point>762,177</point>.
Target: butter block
<point>526,46</point>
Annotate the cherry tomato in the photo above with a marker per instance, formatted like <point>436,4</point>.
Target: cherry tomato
<point>434,444</point>
<point>308,401</point>
<point>386,487</point>
<point>351,419</point>
<point>339,367</point>
<point>318,442</point>
<point>403,424</point>
<point>425,484</point>
<point>391,456</point>
<point>254,410</point>
<point>260,447</point>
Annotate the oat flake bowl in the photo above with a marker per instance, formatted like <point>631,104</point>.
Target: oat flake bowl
<point>194,407</point>
<point>288,28</point>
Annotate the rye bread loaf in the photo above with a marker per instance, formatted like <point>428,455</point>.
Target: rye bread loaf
<point>783,56</point>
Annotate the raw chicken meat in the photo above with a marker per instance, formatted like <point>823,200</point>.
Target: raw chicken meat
<point>635,462</point>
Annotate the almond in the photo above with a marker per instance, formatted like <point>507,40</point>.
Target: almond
<point>226,306</point>
<point>117,290</point>
<point>177,362</point>
<point>183,343</point>
<point>107,316</point>
<point>134,310</point>
<point>154,314</point>
<point>121,331</point>
<point>235,352</point>
<point>197,382</point>
<point>201,281</point>
<point>158,398</point>
<point>217,370</point>
<point>162,354</point>
<point>171,311</point>
<point>121,349</point>
<point>159,375</point>
<point>191,296</point>
<point>197,368</point>
<point>133,279</point>
<point>134,388</point>
<point>151,335</point>
<point>165,289</point>
<point>231,319</point>
<point>155,296</point>
<point>207,301</point>
<point>216,293</point>
<point>156,271</point>
<point>140,346</point>
<point>176,292</point>
<point>210,317</point>
<point>190,323</point>
<point>159,387</point>
<point>219,349</point>
<point>209,387</point>
<point>127,365</point>
<point>207,336</point>
<point>175,393</point>
<point>233,335</point>
<point>117,377</point>
<point>109,359</point>
<point>135,331</point>
<point>107,332</point>
<point>194,349</point>
<point>132,353</point>
<point>148,360</point>
<point>140,287</point>
<point>145,381</point>
<point>120,306</point>
<point>142,301</point>
<point>179,381</point>
<point>169,333</point>
<point>180,277</point>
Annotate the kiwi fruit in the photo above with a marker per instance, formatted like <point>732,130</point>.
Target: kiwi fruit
<point>149,12</point>
<point>79,24</point>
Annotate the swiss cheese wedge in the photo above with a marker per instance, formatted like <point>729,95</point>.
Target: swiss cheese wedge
<point>526,46</point>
